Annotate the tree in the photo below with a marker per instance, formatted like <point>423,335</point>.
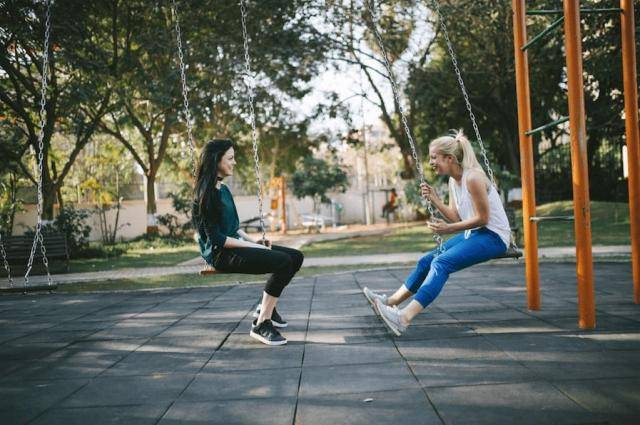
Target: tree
<point>315,177</point>
<point>351,36</point>
<point>82,59</point>
<point>481,34</point>
<point>148,109</point>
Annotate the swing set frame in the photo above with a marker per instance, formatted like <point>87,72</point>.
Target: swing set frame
<point>579,166</point>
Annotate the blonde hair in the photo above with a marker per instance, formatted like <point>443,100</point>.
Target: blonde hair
<point>457,145</point>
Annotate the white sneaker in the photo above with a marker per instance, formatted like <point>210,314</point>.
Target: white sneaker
<point>372,297</point>
<point>391,318</point>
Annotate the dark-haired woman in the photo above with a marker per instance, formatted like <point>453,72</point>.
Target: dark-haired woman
<point>227,248</point>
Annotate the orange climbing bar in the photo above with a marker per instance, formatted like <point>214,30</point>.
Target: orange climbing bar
<point>579,165</point>
<point>633,139</point>
<point>527,170</point>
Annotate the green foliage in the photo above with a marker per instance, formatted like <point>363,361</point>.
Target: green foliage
<point>481,33</point>
<point>10,204</point>
<point>413,198</point>
<point>315,177</point>
<point>82,60</point>
<point>71,223</point>
<point>171,222</point>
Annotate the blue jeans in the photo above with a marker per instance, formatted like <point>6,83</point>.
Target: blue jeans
<point>432,272</point>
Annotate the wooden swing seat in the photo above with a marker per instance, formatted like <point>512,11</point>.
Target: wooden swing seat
<point>208,270</point>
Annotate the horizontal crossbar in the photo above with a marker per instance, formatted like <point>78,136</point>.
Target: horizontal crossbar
<point>546,126</point>
<point>585,10</point>
<point>551,218</point>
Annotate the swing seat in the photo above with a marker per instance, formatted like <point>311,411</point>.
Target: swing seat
<point>511,253</point>
<point>208,270</point>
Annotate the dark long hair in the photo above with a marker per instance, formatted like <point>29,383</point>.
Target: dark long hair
<point>207,196</point>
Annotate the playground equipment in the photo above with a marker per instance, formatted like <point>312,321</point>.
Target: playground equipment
<point>582,215</point>
<point>512,251</point>
<point>38,237</point>
<point>278,192</point>
<point>252,118</point>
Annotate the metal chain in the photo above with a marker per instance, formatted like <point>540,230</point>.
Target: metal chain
<point>252,116</point>
<point>185,89</point>
<point>396,95</point>
<point>6,262</point>
<point>38,237</point>
<point>454,61</point>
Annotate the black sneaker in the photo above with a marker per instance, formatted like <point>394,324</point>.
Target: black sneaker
<point>277,320</point>
<point>266,333</point>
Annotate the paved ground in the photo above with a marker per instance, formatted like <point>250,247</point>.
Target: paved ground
<point>184,356</point>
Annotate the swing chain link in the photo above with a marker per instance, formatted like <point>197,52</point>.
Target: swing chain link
<point>396,95</point>
<point>250,82</point>
<point>185,89</point>
<point>454,61</point>
<point>467,102</point>
<point>38,237</point>
<point>6,262</point>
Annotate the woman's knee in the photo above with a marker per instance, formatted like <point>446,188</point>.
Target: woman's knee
<point>285,263</point>
<point>425,262</point>
<point>443,264</point>
<point>298,259</point>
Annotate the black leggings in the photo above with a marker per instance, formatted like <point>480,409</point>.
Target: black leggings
<point>283,262</point>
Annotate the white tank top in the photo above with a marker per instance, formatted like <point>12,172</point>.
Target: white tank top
<point>498,222</point>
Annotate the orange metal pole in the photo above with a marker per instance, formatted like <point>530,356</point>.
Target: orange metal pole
<point>579,165</point>
<point>527,170</point>
<point>633,140</point>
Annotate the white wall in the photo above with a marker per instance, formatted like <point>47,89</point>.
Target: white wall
<point>134,212</point>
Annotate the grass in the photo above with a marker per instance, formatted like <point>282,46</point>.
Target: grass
<point>407,239</point>
<point>610,226</point>
<point>195,280</point>
<point>137,257</point>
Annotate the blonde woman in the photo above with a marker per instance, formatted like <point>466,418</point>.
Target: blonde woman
<point>474,209</point>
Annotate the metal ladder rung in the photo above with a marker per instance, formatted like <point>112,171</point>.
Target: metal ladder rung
<point>551,218</point>
<point>546,126</point>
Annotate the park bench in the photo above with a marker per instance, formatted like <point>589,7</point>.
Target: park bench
<point>253,223</point>
<point>18,249</point>
<point>315,222</point>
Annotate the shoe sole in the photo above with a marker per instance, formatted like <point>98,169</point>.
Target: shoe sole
<point>372,302</point>
<point>390,325</point>
<point>264,340</point>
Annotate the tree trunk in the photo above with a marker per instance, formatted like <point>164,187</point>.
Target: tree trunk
<point>409,171</point>
<point>13,199</point>
<point>48,195</point>
<point>152,225</point>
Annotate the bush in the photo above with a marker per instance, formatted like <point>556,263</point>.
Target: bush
<point>181,201</point>
<point>171,222</point>
<point>159,241</point>
<point>100,251</point>
<point>70,222</point>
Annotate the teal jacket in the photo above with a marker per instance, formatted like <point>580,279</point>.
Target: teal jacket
<point>212,234</point>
